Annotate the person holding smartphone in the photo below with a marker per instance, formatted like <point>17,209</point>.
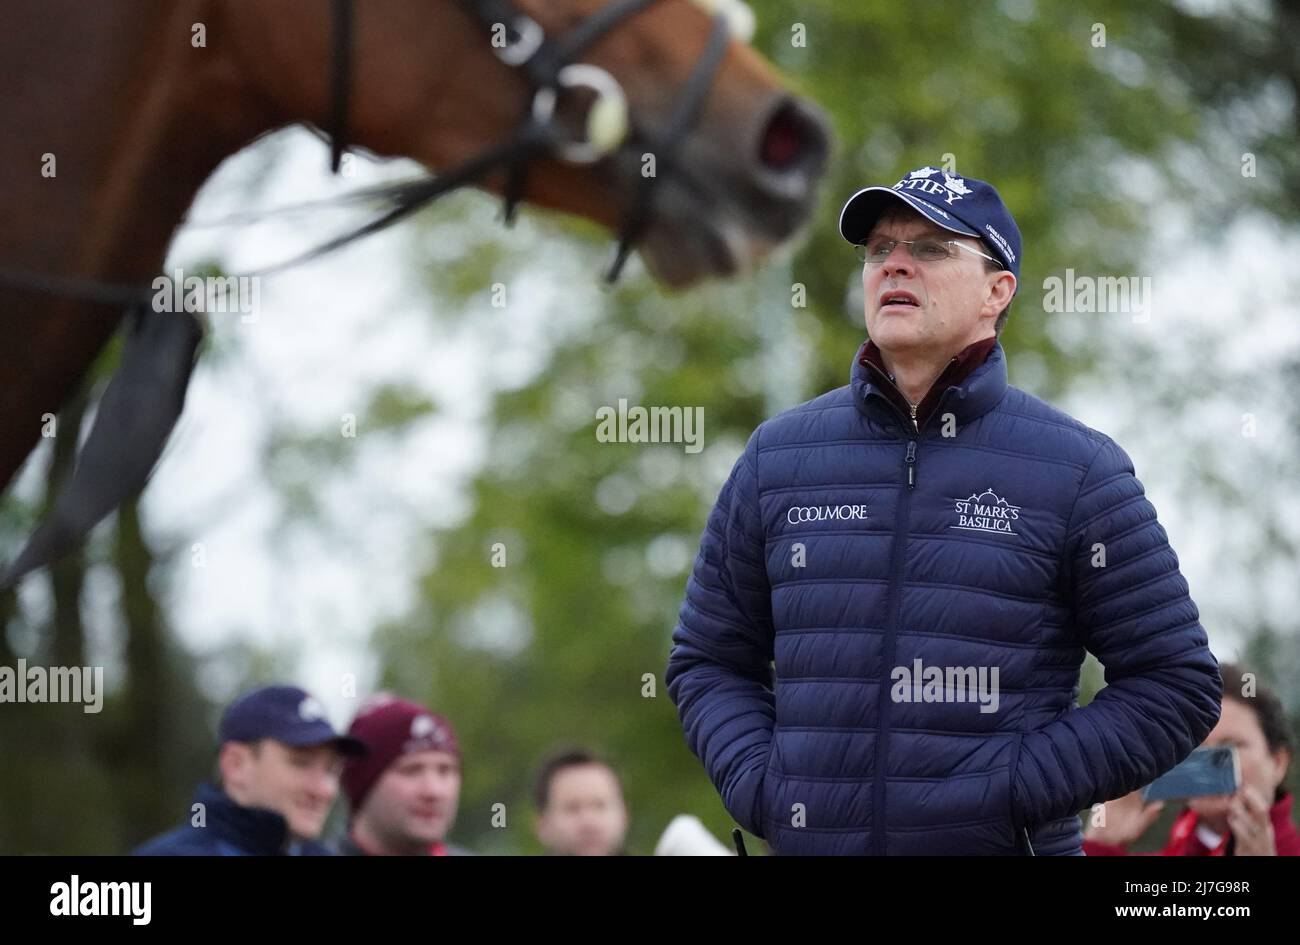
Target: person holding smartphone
<point>1253,821</point>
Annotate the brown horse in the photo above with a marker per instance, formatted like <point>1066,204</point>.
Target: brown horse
<point>114,114</point>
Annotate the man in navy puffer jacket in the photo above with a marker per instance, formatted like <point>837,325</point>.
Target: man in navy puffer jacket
<point>279,768</point>
<point>880,644</point>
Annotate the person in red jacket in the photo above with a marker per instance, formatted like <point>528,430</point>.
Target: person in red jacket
<point>1240,824</point>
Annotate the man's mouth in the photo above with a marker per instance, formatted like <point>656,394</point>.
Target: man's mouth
<point>898,298</point>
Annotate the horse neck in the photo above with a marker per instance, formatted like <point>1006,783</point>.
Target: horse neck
<point>136,119</point>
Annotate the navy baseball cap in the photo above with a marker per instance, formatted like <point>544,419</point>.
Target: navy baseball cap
<point>961,204</point>
<point>288,715</point>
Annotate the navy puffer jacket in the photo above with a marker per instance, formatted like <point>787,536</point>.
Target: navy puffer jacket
<point>849,559</point>
<point>229,829</point>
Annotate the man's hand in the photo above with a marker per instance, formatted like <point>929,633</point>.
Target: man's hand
<point>1250,823</point>
<point>1124,820</point>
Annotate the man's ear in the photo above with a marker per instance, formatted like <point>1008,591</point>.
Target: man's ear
<point>231,760</point>
<point>1002,287</point>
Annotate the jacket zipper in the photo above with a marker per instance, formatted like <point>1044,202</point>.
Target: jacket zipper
<point>912,406</point>
<point>910,458</point>
<point>890,651</point>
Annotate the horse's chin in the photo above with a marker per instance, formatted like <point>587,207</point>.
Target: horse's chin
<point>683,253</point>
<point>718,227</point>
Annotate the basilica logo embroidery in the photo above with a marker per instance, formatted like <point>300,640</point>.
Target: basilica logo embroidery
<point>986,512</point>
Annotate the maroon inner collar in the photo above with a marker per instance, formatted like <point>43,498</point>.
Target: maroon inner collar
<point>959,368</point>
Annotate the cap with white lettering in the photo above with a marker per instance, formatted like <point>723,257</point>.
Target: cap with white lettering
<point>286,714</point>
<point>963,205</point>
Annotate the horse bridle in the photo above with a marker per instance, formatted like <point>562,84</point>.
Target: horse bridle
<point>144,398</point>
<point>550,66</point>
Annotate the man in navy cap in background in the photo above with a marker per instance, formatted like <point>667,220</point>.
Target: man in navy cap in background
<point>880,644</point>
<point>277,776</point>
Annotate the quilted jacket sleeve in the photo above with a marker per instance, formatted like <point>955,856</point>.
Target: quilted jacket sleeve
<point>719,674</point>
<point>1131,609</point>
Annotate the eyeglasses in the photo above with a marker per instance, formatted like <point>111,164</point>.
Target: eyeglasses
<point>926,249</point>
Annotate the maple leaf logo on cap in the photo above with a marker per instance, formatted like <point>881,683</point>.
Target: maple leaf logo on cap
<point>955,184</point>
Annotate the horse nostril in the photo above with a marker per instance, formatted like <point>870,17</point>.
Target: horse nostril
<point>794,139</point>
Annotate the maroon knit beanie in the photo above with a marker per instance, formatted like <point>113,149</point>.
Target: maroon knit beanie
<point>392,727</point>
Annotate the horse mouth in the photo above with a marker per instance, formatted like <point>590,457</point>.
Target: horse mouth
<point>718,215</point>
<point>690,239</point>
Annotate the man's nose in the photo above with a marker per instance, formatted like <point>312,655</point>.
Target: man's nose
<point>434,785</point>
<point>324,785</point>
<point>899,261</point>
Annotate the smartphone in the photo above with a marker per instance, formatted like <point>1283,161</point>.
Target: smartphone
<point>1204,771</point>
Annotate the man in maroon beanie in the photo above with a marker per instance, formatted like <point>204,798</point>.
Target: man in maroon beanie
<point>404,794</point>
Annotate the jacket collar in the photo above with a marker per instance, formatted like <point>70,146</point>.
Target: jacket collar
<point>977,378</point>
<point>251,829</point>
